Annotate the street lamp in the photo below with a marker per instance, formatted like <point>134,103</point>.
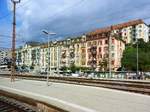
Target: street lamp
<point>49,56</point>
<point>137,56</point>
<point>109,51</point>
<point>17,1</point>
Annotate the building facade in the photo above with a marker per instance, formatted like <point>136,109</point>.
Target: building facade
<point>98,51</point>
<point>94,50</point>
<point>128,31</point>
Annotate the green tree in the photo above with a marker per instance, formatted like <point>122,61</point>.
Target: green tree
<point>103,64</point>
<point>74,68</point>
<point>84,69</point>
<point>31,67</point>
<point>64,68</point>
<point>129,59</point>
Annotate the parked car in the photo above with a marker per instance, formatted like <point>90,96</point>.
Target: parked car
<point>43,73</point>
<point>75,75</point>
<point>91,75</point>
<point>147,75</point>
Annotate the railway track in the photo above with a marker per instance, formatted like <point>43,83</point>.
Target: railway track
<point>10,102</point>
<point>141,87</point>
<point>12,105</point>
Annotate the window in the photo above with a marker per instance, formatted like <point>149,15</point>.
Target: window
<point>140,26</point>
<point>106,55</point>
<point>83,62</point>
<point>113,55</point>
<point>94,43</point>
<point>105,48</point>
<point>89,56</point>
<point>83,50</point>
<point>100,42</point>
<point>89,50</point>
<point>100,49</point>
<point>140,30</point>
<point>89,43</point>
<point>112,48</point>
<point>113,62</point>
<point>100,55</point>
<point>113,41</point>
<point>106,41</point>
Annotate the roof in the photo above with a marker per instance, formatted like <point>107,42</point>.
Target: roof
<point>115,27</point>
<point>33,44</point>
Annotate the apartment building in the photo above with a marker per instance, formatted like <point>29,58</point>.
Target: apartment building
<point>98,51</point>
<point>128,31</point>
<point>90,50</point>
<point>5,55</point>
<point>28,55</point>
<point>73,52</point>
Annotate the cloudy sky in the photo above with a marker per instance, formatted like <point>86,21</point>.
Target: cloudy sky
<point>67,18</point>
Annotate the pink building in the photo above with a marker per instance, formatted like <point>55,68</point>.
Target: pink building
<point>98,51</point>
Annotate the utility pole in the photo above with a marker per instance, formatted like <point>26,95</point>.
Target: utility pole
<point>14,41</point>
<point>58,59</point>
<point>109,45</point>
<point>137,53</point>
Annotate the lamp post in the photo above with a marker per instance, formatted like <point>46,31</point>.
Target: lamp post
<point>68,53</point>
<point>14,41</point>
<point>58,59</point>
<point>137,56</point>
<point>109,51</point>
<point>49,55</point>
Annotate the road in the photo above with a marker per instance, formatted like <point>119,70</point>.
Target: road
<point>78,98</point>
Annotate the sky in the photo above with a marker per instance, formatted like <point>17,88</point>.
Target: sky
<point>67,18</point>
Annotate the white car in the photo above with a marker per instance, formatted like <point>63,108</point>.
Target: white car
<point>75,75</point>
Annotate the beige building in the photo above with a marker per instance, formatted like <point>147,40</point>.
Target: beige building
<point>90,50</point>
<point>28,55</point>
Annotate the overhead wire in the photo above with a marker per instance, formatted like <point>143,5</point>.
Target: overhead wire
<point>10,12</point>
<point>102,20</point>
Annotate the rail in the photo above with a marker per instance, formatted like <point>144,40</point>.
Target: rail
<point>10,102</point>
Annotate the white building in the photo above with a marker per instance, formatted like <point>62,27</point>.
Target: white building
<point>5,54</point>
<point>132,30</point>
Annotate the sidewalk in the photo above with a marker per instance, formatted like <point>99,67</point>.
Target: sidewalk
<point>77,98</point>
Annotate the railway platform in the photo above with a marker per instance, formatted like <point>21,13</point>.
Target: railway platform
<point>78,98</point>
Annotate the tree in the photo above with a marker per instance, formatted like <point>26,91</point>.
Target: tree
<point>64,68</point>
<point>84,69</point>
<point>31,67</point>
<point>103,64</point>
<point>129,59</point>
<point>74,68</point>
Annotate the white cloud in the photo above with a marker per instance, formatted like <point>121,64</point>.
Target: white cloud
<point>69,17</point>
